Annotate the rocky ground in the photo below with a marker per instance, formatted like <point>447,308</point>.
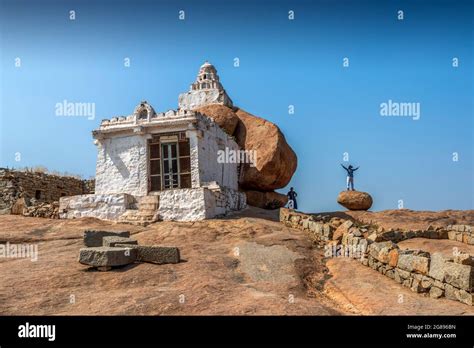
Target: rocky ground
<point>246,264</point>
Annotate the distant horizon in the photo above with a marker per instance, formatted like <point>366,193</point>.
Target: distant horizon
<point>343,81</point>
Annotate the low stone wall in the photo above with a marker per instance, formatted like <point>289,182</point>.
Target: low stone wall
<point>105,206</point>
<point>461,233</point>
<point>433,275</point>
<point>37,188</point>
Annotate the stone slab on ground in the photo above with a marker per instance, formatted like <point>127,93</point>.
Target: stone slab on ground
<point>154,253</point>
<point>111,241</point>
<point>107,256</point>
<point>93,238</point>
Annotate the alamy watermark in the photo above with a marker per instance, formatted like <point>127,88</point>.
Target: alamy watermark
<point>22,251</point>
<point>351,251</point>
<point>75,109</point>
<point>237,156</point>
<point>402,109</point>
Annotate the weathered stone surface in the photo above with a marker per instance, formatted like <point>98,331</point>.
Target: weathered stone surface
<point>266,200</point>
<point>414,261</point>
<point>224,116</point>
<point>393,257</point>
<point>380,250</point>
<point>459,295</point>
<point>154,254</point>
<point>374,237</point>
<point>19,206</point>
<point>355,200</point>
<point>107,256</point>
<point>436,292</point>
<point>111,241</point>
<point>437,269</point>
<point>460,276</point>
<point>101,206</point>
<point>93,238</point>
<point>276,161</point>
<point>342,229</point>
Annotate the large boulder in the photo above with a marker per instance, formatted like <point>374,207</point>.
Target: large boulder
<point>225,117</point>
<point>266,200</point>
<point>355,200</point>
<point>276,161</point>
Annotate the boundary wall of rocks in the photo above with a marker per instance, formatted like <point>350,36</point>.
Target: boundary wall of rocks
<point>433,275</point>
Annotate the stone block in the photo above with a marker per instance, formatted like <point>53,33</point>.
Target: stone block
<point>93,238</point>
<point>403,274</point>
<point>437,269</point>
<point>342,230</point>
<point>459,295</point>
<point>374,237</point>
<point>107,256</point>
<point>455,274</point>
<point>436,292</point>
<point>154,254</point>
<point>426,282</point>
<point>393,257</point>
<point>414,261</point>
<point>380,250</point>
<point>460,276</point>
<point>111,241</point>
<point>452,235</point>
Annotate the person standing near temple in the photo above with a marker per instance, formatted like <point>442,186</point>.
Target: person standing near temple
<point>292,199</point>
<point>350,176</point>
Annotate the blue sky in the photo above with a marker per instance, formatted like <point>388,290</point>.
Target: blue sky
<point>282,63</point>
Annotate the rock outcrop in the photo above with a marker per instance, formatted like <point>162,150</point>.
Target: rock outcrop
<point>275,163</point>
<point>355,200</point>
<point>266,200</point>
<point>224,116</point>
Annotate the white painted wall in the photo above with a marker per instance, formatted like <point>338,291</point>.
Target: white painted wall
<point>101,206</point>
<point>214,139</point>
<point>122,166</point>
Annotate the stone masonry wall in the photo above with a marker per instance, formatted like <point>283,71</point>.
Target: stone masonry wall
<point>37,188</point>
<point>433,275</point>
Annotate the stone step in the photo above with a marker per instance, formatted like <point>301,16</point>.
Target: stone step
<point>150,199</point>
<point>147,206</point>
<point>138,217</point>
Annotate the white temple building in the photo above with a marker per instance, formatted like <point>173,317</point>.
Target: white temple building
<point>163,166</point>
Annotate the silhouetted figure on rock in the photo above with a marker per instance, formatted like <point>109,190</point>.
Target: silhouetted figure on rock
<point>350,176</point>
<point>292,199</point>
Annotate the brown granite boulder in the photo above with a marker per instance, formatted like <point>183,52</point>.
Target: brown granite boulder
<point>266,200</point>
<point>355,200</point>
<point>276,161</point>
<point>225,117</point>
